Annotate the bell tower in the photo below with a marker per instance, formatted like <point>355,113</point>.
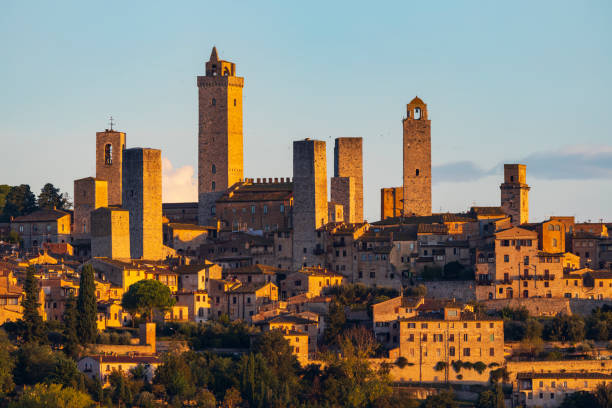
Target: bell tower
<point>417,160</point>
<point>515,193</point>
<point>220,140</point>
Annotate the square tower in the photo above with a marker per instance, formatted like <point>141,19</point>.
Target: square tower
<point>109,147</point>
<point>391,202</point>
<point>417,160</point>
<point>515,193</point>
<point>89,194</point>
<point>142,197</point>
<point>110,233</point>
<point>220,141</point>
<point>309,199</point>
<point>348,162</point>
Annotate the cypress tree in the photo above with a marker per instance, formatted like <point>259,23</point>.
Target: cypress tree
<point>32,321</point>
<point>71,339</point>
<point>87,307</point>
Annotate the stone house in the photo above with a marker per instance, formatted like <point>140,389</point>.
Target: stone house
<point>44,225</point>
<point>311,280</point>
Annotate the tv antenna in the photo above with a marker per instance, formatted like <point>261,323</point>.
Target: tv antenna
<point>111,123</point>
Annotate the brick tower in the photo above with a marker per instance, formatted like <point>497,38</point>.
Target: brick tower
<point>515,193</point>
<point>348,164</point>
<point>220,156</point>
<point>109,147</point>
<point>142,197</point>
<point>309,199</point>
<point>89,194</point>
<point>417,160</point>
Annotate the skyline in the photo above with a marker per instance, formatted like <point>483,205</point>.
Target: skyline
<point>566,147</point>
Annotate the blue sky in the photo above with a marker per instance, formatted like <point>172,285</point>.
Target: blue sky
<point>521,81</point>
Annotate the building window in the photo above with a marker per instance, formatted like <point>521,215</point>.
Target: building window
<point>213,210</point>
<point>252,209</point>
<point>108,154</point>
<point>214,169</point>
<point>417,172</point>
<point>282,208</point>
<point>506,258</point>
<point>213,186</point>
<point>451,351</point>
<point>234,102</point>
<point>466,352</point>
<point>214,101</point>
<point>265,209</point>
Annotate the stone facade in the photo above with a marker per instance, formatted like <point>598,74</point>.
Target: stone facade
<point>110,233</point>
<point>515,193</point>
<point>417,160</point>
<point>343,193</point>
<point>89,194</point>
<point>391,202</point>
<point>143,199</point>
<point>348,163</point>
<point>109,147</point>
<point>220,140</point>
<point>309,199</point>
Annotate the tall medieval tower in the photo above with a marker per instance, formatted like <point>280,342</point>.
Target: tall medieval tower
<point>515,193</point>
<point>109,157</point>
<point>220,150</point>
<point>417,160</point>
<point>347,183</point>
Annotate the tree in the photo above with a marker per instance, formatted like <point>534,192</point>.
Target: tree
<point>146,295</point>
<point>336,320</point>
<point>52,396</point>
<point>70,318</point>
<point>32,321</point>
<point>445,399</point>
<point>50,197</point>
<point>175,375</point>
<point>492,398</point>
<point>232,398</point>
<point>121,392</point>
<point>603,394</point>
<point>19,201</point>
<point>86,307</point>
<point>579,399</point>
<point>7,364</point>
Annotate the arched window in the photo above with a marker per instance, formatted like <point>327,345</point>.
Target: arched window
<point>226,72</point>
<point>213,186</point>
<point>108,154</point>
<point>214,169</point>
<point>214,101</point>
<point>84,227</point>
<point>417,113</point>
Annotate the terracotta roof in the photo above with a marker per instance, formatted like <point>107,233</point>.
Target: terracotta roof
<point>532,375</point>
<point>315,271</point>
<point>184,226</point>
<point>600,274</point>
<point>432,229</point>
<point>254,269</point>
<point>126,359</point>
<point>291,319</point>
<point>251,287</point>
<point>41,215</point>
<point>488,211</point>
<point>191,269</point>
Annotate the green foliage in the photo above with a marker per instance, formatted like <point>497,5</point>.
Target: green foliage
<point>479,367</point>
<point>71,338</point>
<point>491,398</point>
<point>520,313</point>
<point>579,399</point>
<point>212,334</point>
<point>499,374</point>
<point>146,295</point>
<point>445,399</point>
<point>335,322</point>
<point>401,362</point>
<point>176,376</point>
<point>33,328</point>
<point>18,201</point>
<point>432,273</point>
<point>603,395</point>
<point>52,396</point>
<point>565,328</point>
<point>51,197</point>
<point>416,291</point>
<point>120,387</point>
<point>7,363</point>
<point>440,365</point>
<point>86,306</point>
<point>37,363</point>
<point>4,190</point>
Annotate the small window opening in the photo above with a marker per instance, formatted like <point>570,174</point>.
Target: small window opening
<point>213,186</point>
<point>214,169</point>
<point>108,154</point>
<point>214,101</point>
<point>417,172</point>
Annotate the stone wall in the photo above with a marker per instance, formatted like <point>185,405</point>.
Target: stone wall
<point>110,233</point>
<point>463,291</point>
<point>89,194</point>
<point>348,162</point>
<point>110,169</point>
<point>417,160</point>
<point>391,202</point>
<point>535,306</point>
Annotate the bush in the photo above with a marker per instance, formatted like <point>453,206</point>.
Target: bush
<point>401,362</point>
<point>440,365</point>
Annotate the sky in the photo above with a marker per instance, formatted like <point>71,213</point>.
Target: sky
<point>514,82</point>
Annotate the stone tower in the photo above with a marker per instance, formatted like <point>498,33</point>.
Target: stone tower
<point>110,233</point>
<point>142,197</point>
<point>109,147</point>
<point>515,193</point>
<point>220,155</point>
<point>417,160</point>
<point>310,208</point>
<point>348,163</point>
<point>89,194</point>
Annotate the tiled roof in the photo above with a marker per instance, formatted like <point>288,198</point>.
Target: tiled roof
<point>184,226</point>
<point>254,269</point>
<point>42,215</point>
<point>488,211</point>
<point>251,287</point>
<point>126,359</point>
<point>588,375</point>
<point>191,269</point>
<point>291,319</point>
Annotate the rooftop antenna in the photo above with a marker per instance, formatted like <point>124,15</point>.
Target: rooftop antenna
<point>111,123</point>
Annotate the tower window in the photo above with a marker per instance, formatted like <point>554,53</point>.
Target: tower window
<point>214,101</point>
<point>417,172</point>
<point>214,169</point>
<point>108,154</point>
<point>417,113</point>
<point>234,102</point>
<point>511,178</point>
<point>213,186</point>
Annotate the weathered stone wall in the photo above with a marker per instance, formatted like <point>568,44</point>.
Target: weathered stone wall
<point>142,198</point>
<point>417,160</point>
<point>309,199</point>
<point>535,306</point>
<point>391,202</point>
<point>110,233</point>
<point>110,170</point>
<point>89,194</point>
<point>343,192</point>
<point>348,162</point>
<point>463,291</point>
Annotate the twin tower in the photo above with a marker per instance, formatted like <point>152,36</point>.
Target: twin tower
<point>220,155</point>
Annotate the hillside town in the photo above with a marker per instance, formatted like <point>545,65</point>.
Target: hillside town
<point>272,292</point>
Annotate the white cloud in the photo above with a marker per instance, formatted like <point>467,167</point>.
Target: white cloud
<point>178,185</point>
